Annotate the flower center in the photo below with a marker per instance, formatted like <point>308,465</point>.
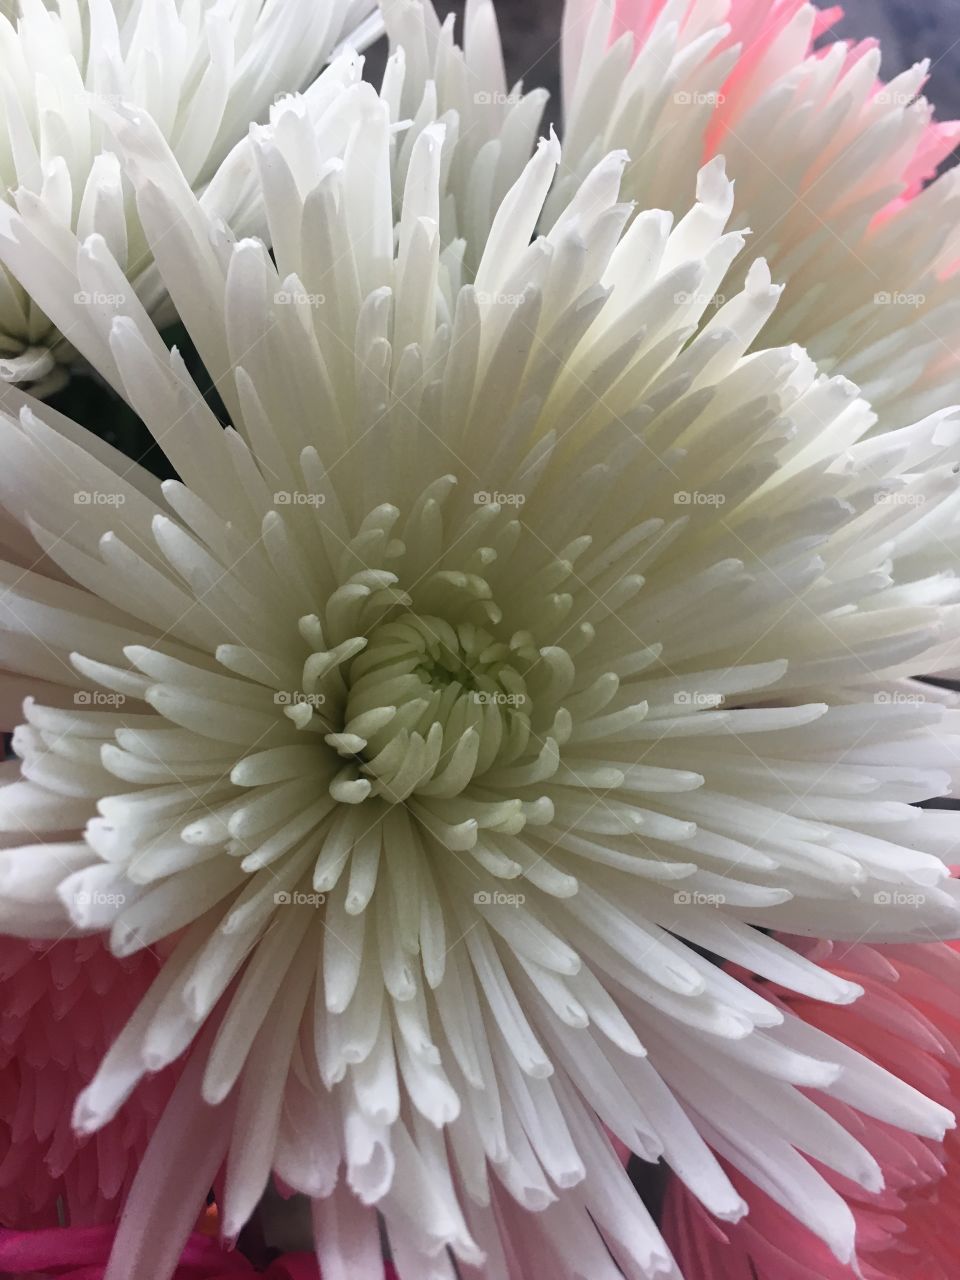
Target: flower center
<point>430,706</point>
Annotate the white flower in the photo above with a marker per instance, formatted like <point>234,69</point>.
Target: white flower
<point>204,72</point>
<point>828,161</point>
<point>465,701</point>
<point>491,128</point>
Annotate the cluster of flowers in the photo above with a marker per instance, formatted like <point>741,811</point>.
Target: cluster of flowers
<point>495,762</point>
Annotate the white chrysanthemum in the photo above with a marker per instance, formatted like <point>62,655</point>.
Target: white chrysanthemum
<point>204,71</point>
<point>828,161</point>
<point>457,699</point>
<point>490,127</point>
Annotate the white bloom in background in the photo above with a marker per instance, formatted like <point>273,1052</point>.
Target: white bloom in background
<point>489,130</point>
<point>455,701</point>
<point>490,127</point>
<point>203,70</point>
<point>829,163</point>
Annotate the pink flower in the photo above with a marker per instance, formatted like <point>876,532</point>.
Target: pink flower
<point>832,165</point>
<point>81,1253</point>
<point>62,1005</point>
<point>908,1021</point>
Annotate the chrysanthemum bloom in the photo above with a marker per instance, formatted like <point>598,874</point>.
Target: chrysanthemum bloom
<point>909,1022</point>
<point>62,1006</point>
<point>74,1253</point>
<point>490,127</point>
<point>204,72</point>
<point>829,162</point>
<point>480,667</point>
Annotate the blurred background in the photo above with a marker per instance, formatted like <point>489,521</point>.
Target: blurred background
<point>908,29</point>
